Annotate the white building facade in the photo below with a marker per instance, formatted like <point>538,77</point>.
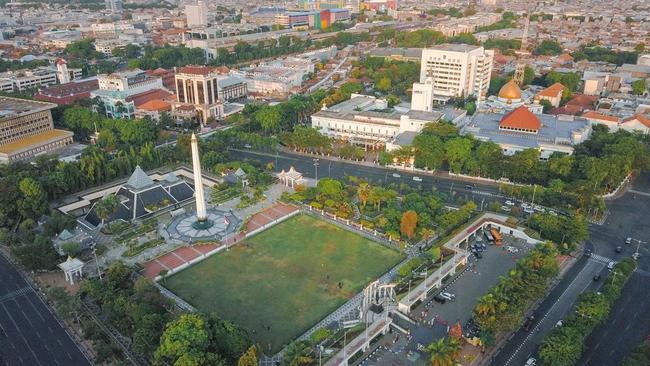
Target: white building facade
<point>452,71</point>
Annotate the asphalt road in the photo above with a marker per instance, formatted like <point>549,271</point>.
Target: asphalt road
<point>374,174</point>
<point>29,333</point>
<point>629,321</point>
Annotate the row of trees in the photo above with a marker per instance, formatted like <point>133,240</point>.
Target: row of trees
<point>598,165</point>
<point>566,231</point>
<point>389,77</point>
<point>503,308</point>
<point>565,344</point>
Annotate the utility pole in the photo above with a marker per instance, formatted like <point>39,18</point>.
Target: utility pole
<point>534,190</point>
<point>316,160</point>
<point>99,272</point>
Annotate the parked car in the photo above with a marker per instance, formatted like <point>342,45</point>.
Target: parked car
<point>529,210</point>
<point>478,255</point>
<point>439,299</point>
<point>483,246</point>
<point>512,249</point>
<point>509,203</point>
<point>552,213</point>
<point>525,205</point>
<point>539,208</point>
<point>448,296</point>
<point>528,323</point>
<point>417,179</point>
<point>505,209</point>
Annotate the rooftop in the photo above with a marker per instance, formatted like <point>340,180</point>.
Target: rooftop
<point>15,107</point>
<point>521,118</point>
<point>552,91</point>
<point>196,70</point>
<point>32,141</point>
<point>453,47</point>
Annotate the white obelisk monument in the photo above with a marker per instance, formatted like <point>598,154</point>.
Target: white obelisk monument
<point>198,181</point>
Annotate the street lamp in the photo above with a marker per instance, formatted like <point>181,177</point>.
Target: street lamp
<point>638,244</point>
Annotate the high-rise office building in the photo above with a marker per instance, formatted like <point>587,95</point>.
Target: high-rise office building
<point>452,71</point>
<point>197,87</point>
<point>197,14</point>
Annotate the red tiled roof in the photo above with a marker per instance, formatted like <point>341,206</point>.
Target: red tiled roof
<point>599,116</point>
<point>552,91</point>
<point>157,105</point>
<point>521,118</point>
<point>139,99</point>
<point>583,100</point>
<point>639,117</point>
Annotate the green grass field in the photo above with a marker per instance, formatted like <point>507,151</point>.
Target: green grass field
<point>285,277</point>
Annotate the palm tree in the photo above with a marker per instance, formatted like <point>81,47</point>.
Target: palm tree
<point>363,191</point>
<point>106,207</point>
<point>444,352</point>
<point>297,354</point>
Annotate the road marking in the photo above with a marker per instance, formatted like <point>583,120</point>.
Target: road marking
<point>534,330</point>
<point>639,192</point>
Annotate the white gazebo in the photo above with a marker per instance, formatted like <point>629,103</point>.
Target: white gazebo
<point>72,267</point>
<point>291,177</point>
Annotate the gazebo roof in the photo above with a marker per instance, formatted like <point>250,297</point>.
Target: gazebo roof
<point>292,173</point>
<point>71,264</point>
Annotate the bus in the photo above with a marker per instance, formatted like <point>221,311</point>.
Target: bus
<point>497,236</point>
<point>489,237</point>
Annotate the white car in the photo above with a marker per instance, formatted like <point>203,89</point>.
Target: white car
<point>395,175</point>
<point>539,208</point>
<point>417,179</point>
<point>525,205</point>
<point>510,203</point>
<point>531,362</point>
<point>448,295</point>
<point>529,210</point>
<point>552,213</point>
<point>512,249</point>
<point>505,209</point>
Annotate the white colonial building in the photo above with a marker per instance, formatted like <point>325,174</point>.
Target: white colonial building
<point>366,120</point>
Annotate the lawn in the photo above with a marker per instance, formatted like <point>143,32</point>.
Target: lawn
<point>280,282</point>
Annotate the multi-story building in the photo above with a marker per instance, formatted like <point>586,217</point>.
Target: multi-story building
<point>114,5</point>
<point>65,74</point>
<point>378,5</point>
<point>365,120</point>
<point>22,80</point>
<point>197,86</point>
<point>114,89</point>
<point>113,29</point>
<point>197,14</point>
<point>452,71</point>
<point>106,46</point>
<point>27,129</point>
<point>231,88</point>
<point>67,93</point>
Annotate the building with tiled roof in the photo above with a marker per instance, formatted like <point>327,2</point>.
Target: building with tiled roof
<point>67,93</point>
<point>636,123</point>
<point>521,129</point>
<point>604,119</point>
<point>553,94</point>
<point>520,120</point>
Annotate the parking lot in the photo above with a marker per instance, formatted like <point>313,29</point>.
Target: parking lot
<point>432,319</point>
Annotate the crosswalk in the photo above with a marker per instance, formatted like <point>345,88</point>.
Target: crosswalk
<point>15,294</point>
<point>600,258</point>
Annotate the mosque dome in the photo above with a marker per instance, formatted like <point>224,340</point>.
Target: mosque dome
<point>510,91</point>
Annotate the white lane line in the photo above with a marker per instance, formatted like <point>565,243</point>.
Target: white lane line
<point>18,329</point>
<point>534,330</point>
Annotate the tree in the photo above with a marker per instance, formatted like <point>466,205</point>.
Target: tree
<point>546,105</point>
<point>458,151</point>
<point>34,199</point>
<point>184,341</point>
<point>106,207</point>
<point>71,248</point>
<point>549,48</point>
<point>363,191</point>
<point>268,117</point>
<point>639,87</point>
<point>408,223</point>
<point>383,84</point>
<point>249,358</point>
<point>444,352</point>
<point>297,353</point>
